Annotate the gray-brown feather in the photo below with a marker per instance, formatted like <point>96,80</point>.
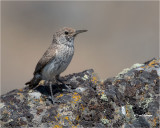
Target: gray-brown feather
<point>48,56</point>
<point>57,57</point>
<point>63,57</point>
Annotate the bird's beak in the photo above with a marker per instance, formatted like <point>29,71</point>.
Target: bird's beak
<point>80,31</point>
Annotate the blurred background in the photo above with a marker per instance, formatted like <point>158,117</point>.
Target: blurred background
<point>119,35</point>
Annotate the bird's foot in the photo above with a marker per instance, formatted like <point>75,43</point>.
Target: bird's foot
<point>59,80</point>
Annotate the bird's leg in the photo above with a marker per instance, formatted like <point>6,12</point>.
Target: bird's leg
<point>51,90</point>
<point>59,80</point>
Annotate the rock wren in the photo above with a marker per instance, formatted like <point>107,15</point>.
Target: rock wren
<point>57,57</point>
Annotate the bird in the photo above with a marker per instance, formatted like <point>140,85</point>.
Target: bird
<point>56,58</point>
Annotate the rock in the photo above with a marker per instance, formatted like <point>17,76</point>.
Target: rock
<point>131,99</point>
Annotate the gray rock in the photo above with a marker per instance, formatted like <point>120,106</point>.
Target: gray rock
<point>131,99</point>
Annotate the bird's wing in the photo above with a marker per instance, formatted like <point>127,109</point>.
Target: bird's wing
<point>46,58</point>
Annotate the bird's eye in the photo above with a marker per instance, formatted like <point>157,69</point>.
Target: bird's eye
<point>66,33</point>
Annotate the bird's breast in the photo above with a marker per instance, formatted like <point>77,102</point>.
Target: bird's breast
<point>61,61</point>
<point>64,55</point>
<point>64,52</point>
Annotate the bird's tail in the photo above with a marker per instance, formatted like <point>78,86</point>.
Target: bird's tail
<point>34,81</point>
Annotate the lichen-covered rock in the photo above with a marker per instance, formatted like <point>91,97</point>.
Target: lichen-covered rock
<point>131,99</point>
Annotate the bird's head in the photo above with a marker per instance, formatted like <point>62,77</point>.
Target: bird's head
<point>67,35</point>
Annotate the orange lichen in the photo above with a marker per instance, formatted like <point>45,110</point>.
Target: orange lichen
<point>75,126</point>
<point>41,101</point>
<point>155,121</point>
<point>59,96</point>
<point>56,117</point>
<point>57,126</point>
<point>154,62</point>
<point>101,92</point>
<point>76,97</point>
<point>94,79</point>
<point>82,107</point>
<point>66,118</point>
<point>21,90</point>
<point>77,118</point>
<point>127,111</point>
<point>20,94</point>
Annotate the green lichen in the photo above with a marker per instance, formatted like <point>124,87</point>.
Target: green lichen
<point>104,121</point>
<point>128,69</point>
<point>2,105</point>
<point>85,77</point>
<point>136,65</point>
<point>146,101</point>
<point>104,97</point>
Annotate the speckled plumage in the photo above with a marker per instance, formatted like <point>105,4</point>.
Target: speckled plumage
<point>57,57</point>
<point>63,57</point>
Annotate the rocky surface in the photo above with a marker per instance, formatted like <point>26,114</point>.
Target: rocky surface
<point>129,100</point>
